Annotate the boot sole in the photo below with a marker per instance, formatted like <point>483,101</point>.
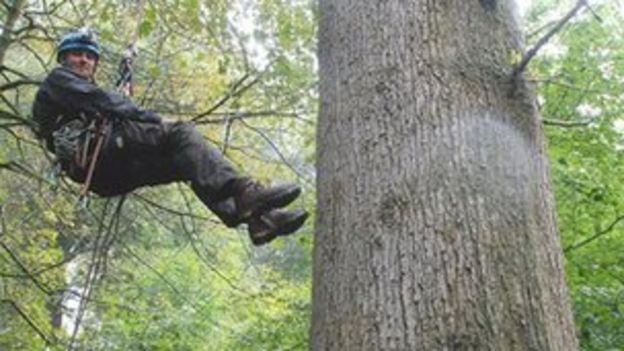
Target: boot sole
<point>292,226</point>
<point>286,229</point>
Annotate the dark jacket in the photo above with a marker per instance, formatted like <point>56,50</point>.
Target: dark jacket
<point>64,96</point>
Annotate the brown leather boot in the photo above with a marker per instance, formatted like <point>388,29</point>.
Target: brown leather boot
<point>252,198</point>
<point>277,222</point>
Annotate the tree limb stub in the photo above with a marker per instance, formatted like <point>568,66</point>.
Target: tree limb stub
<point>540,43</point>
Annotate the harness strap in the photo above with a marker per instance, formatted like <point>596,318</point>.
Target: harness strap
<point>100,135</point>
<point>83,157</point>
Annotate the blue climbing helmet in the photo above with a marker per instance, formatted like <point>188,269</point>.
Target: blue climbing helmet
<point>83,39</point>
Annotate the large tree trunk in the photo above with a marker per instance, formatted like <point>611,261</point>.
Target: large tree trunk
<point>436,226</point>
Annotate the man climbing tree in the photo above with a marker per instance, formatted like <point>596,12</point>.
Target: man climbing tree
<point>105,141</point>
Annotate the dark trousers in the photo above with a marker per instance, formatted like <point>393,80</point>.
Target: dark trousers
<point>136,154</point>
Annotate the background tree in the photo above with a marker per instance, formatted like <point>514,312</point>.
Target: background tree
<point>436,225</point>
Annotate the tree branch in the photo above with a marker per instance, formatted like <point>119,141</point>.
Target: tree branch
<point>40,270</point>
<point>160,207</point>
<point>235,91</point>
<point>277,150</point>
<point>20,169</point>
<point>18,83</point>
<point>232,93</point>
<point>220,118</point>
<point>566,124</point>
<point>14,71</point>
<point>540,43</point>
<point>29,321</point>
<point>595,236</point>
<point>19,119</point>
<point>19,263</point>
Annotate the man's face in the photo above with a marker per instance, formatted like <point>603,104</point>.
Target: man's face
<point>81,62</point>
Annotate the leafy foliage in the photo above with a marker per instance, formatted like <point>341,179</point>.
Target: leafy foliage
<point>579,78</point>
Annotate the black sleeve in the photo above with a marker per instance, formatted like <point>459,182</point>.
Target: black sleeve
<point>69,89</point>
<point>119,106</point>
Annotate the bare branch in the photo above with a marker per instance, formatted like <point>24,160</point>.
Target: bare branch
<point>540,43</point>
<point>18,83</point>
<point>41,270</point>
<point>21,169</point>
<point>541,29</point>
<point>233,92</point>
<point>225,117</point>
<point>596,16</point>
<point>19,263</point>
<point>28,320</point>
<point>567,124</point>
<point>277,150</point>
<point>595,236</point>
<point>171,210</point>
<point>36,55</point>
<point>14,71</point>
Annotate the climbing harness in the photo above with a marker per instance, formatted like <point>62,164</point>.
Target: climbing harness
<point>101,129</point>
<point>68,141</point>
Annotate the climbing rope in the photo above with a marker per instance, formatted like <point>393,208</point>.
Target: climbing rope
<point>101,246</point>
<point>106,233</point>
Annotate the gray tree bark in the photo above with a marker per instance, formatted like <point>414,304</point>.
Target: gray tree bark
<point>436,221</point>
